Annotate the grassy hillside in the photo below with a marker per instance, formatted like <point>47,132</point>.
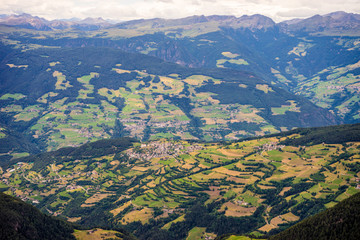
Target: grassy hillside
<point>168,189</point>
<point>86,94</point>
<point>339,222</point>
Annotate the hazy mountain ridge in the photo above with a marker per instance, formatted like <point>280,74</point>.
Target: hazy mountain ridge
<point>328,22</point>
<point>332,23</point>
<point>252,22</point>
<point>32,22</point>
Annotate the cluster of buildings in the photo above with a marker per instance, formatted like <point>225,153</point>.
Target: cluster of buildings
<point>161,149</point>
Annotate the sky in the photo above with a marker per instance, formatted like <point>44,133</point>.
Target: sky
<point>122,10</point>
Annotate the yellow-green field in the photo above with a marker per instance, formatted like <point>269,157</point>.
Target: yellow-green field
<point>95,234</point>
<point>158,178</point>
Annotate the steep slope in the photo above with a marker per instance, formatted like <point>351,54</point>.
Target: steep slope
<point>167,188</point>
<point>14,144</point>
<point>66,97</point>
<point>19,220</point>
<point>339,222</point>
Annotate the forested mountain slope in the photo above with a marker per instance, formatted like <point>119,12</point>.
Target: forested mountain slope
<point>339,222</point>
<point>19,220</point>
<point>22,221</point>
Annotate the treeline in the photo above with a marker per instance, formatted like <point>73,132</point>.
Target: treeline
<point>329,135</point>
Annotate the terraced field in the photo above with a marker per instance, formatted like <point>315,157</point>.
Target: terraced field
<point>162,179</point>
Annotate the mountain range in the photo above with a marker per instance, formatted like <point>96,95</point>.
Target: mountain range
<point>84,94</point>
<point>28,21</point>
<point>178,128</point>
<point>238,77</point>
<point>332,22</point>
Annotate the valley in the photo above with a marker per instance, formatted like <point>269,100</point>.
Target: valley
<point>85,98</point>
<point>146,98</point>
<point>203,127</point>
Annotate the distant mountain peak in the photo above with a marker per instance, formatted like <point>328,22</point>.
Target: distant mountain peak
<point>332,22</point>
<point>93,20</point>
<point>33,22</point>
<point>256,21</point>
<point>26,20</point>
<point>220,17</point>
<point>338,14</point>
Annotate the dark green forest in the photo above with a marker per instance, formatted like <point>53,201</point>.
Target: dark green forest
<point>21,221</point>
<point>339,222</point>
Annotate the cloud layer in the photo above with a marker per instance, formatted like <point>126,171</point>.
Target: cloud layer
<point>135,9</point>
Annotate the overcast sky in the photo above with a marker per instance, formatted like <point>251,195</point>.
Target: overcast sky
<point>278,10</point>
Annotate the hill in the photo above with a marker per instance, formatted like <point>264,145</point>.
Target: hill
<point>77,95</point>
<point>19,220</point>
<point>339,222</point>
<point>167,189</point>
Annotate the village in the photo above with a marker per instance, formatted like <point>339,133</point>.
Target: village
<point>161,149</point>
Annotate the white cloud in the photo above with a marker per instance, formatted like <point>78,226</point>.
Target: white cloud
<point>135,9</point>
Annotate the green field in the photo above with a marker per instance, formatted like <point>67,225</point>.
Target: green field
<point>238,177</point>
